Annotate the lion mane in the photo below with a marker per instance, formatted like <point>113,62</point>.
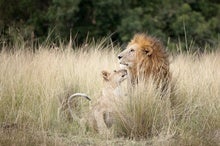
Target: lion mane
<point>150,60</point>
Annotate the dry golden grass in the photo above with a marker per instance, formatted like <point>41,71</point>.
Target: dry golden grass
<point>32,83</point>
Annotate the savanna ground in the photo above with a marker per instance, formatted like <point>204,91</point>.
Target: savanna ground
<point>32,83</point>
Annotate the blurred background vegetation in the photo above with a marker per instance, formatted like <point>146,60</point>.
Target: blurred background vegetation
<point>194,22</point>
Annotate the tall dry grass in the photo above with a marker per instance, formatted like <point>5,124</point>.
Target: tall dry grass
<point>31,85</point>
<point>191,116</point>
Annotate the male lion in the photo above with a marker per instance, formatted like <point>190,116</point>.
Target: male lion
<point>146,58</point>
<point>101,116</point>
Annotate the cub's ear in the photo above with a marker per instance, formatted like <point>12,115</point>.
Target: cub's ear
<point>105,75</point>
<point>148,51</point>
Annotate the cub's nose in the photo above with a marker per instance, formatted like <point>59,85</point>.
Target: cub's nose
<point>119,56</point>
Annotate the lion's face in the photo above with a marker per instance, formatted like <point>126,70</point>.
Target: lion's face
<point>134,53</point>
<point>128,56</point>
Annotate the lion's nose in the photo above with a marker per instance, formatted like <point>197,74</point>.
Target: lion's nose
<point>119,56</point>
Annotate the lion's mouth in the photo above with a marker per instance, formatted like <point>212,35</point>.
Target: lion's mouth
<point>123,63</point>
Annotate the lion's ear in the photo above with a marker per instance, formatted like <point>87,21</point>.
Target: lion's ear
<point>148,51</point>
<point>105,75</point>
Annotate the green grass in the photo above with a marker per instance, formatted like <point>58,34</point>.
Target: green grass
<point>31,85</point>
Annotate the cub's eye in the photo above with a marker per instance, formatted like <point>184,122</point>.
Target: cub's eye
<point>123,76</point>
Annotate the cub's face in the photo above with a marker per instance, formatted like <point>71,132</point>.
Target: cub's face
<point>115,77</point>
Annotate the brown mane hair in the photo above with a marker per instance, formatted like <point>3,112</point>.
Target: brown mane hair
<point>151,60</point>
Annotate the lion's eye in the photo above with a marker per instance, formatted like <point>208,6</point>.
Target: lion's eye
<point>132,50</point>
<point>123,76</point>
<point>146,51</point>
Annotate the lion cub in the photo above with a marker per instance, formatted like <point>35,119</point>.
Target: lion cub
<point>100,117</point>
<point>101,114</point>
